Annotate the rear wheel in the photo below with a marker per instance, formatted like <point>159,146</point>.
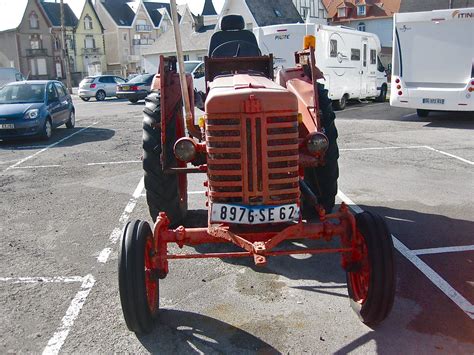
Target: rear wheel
<point>422,113</point>
<point>340,105</point>
<point>100,95</point>
<point>371,285</point>
<point>85,98</point>
<point>323,179</point>
<point>138,282</point>
<point>164,192</point>
<point>133,101</point>
<point>383,94</point>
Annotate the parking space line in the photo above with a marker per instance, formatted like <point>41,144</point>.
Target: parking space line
<point>442,250</point>
<point>116,162</point>
<point>380,148</point>
<point>32,280</point>
<point>36,167</point>
<point>115,235</point>
<point>48,147</point>
<point>450,155</point>
<point>432,275</point>
<point>59,337</point>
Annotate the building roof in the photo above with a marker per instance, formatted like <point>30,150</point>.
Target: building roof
<point>53,11</point>
<point>374,8</point>
<point>120,11</point>
<point>191,41</point>
<point>428,5</point>
<point>273,12</point>
<point>155,10</point>
<point>208,9</point>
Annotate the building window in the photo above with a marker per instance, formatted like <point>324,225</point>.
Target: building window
<point>304,11</point>
<point>360,10</point>
<point>87,23</point>
<point>35,42</point>
<point>89,42</point>
<point>124,36</point>
<point>333,48</point>
<point>361,26</point>
<point>341,12</point>
<point>186,57</point>
<point>355,54</point>
<point>34,20</point>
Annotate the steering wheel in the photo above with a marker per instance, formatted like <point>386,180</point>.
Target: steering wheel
<point>237,48</point>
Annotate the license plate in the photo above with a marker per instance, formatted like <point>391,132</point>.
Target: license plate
<point>7,126</point>
<point>125,88</point>
<point>433,101</point>
<point>238,214</point>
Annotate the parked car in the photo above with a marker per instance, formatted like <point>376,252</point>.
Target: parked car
<point>99,86</point>
<point>9,75</point>
<point>196,69</point>
<point>136,89</point>
<point>34,108</point>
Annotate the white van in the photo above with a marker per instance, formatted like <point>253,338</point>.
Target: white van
<point>348,58</point>
<point>433,61</point>
<point>8,75</point>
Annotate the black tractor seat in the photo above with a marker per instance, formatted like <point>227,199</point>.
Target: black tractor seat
<point>232,40</point>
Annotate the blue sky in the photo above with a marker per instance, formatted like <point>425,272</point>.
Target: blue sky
<point>11,11</point>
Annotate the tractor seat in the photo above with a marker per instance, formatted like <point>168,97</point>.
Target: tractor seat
<point>232,40</point>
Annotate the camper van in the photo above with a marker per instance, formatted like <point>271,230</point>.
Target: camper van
<point>8,75</point>
<point>349,59</point>
<point>433,61</point>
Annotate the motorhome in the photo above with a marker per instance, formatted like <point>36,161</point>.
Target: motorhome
<point>349,59</point>
<point>433,61</point>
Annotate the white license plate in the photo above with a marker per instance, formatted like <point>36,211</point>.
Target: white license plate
<point>238,214</point>
<point>433,101</point>
<point>7,126</point>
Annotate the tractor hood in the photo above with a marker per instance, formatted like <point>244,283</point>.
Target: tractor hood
<point>228,92</point>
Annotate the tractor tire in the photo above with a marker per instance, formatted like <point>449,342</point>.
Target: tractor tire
<point>371,286</point>
<point>163,191</point>
<point>323,180</point>
<point>138,283</point>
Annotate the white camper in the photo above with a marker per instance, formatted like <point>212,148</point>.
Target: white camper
<point>433,61</point>
<point>348,58</point>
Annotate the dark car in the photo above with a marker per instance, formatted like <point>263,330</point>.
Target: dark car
<point>34,108</point>
<point>136,89</point>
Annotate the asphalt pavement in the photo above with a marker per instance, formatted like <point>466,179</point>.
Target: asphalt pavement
<point>65,201</point>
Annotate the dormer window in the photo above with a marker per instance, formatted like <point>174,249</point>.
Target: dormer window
<point>341,12</point>
<point>361,10</point>
<point>87,23</point>
<point>34,20</point>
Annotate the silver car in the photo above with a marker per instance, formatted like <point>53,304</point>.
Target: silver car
<point>100,87</point>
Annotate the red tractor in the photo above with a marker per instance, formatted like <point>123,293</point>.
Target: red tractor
<point>269,150</point>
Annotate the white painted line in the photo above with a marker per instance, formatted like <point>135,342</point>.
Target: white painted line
<point>116,233</point>
<point>25,147</point>
<point>36,167</point>
<point>116,162</point>
<point>441,250</point>
<point>380,148</point>
<point>48,147</point>
<point>67,322</point>
<point>196,192</point>
<point>434,277</point>
<point>40,280</point>
<point>363,105</point>
<point>450,155</point>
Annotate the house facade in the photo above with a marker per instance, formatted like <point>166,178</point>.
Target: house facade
<point>373,16</point>
<point>130,27</point>
<point>89,43</point>
<point>29,45</point>
<point>312,11</point>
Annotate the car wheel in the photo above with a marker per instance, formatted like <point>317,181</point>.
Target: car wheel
<point>85,98</point>
<point>340,105</point>
<point>100,95</point>
<point>72,120</point>
<point>383,94</point>
<point>47,130</point>
<point>133,101</point>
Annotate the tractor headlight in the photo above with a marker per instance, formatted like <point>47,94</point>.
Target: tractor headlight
<point>317,143</point>
<point>32,114</point>
<point>185,149</point>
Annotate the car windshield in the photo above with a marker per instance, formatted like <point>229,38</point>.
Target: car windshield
<point>140,79</point>
<point>189,67</point>
<point>22,94</point>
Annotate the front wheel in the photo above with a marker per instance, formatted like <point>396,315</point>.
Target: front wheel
<point>340,105</point>
<point>371,285</point>
<point>47,130</point>
<point>138,281</point>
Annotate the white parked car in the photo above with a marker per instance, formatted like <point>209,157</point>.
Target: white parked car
<point>100,87</point>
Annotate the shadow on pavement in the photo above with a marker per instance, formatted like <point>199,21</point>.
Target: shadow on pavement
<point>92,134</point>
<point>180,332</point>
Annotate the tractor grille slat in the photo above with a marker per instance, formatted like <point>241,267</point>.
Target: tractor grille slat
<point>254,159</point>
